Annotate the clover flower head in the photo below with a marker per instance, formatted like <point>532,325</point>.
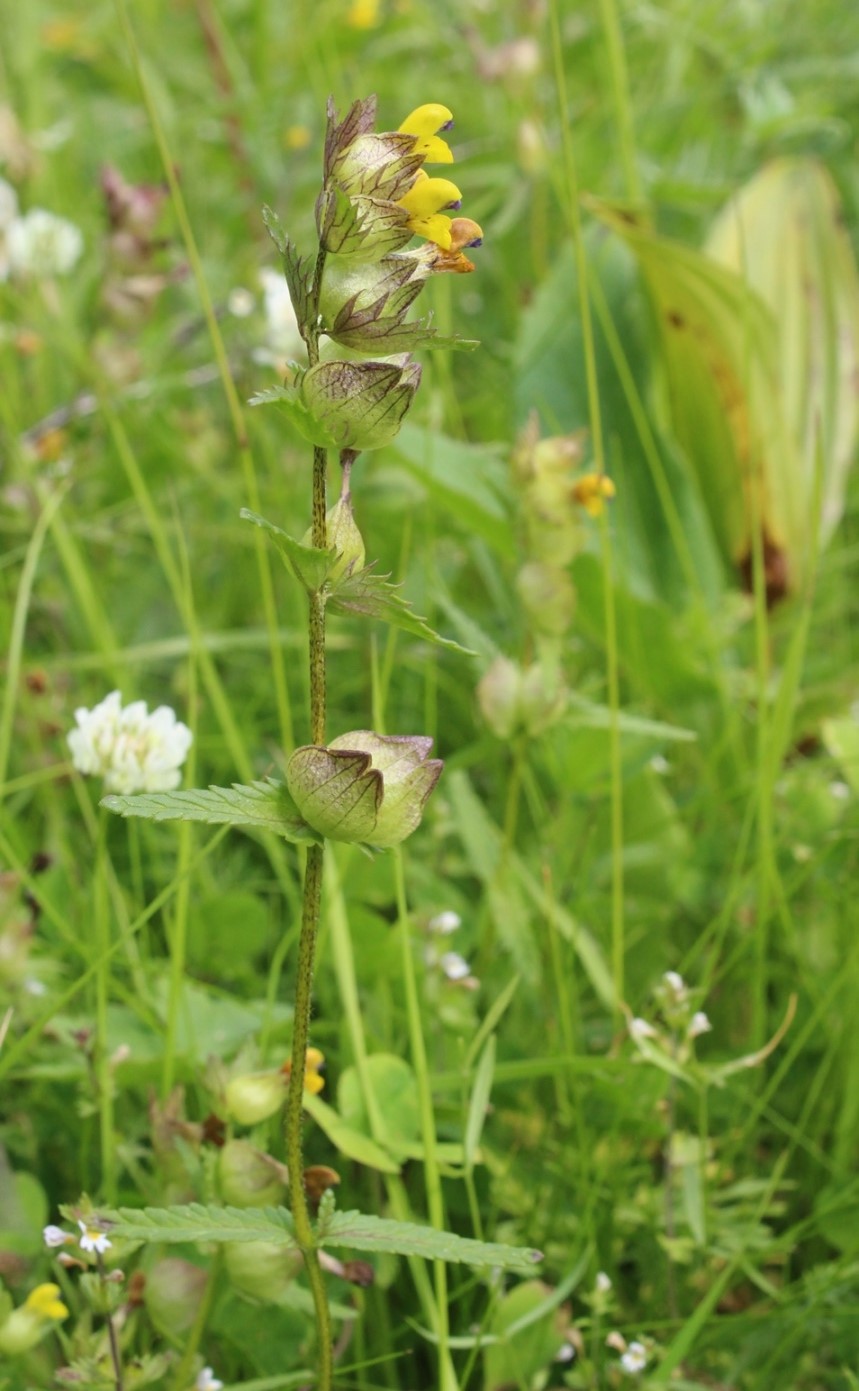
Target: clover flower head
<point>131,749</point>
<point>592,491</point>
<point>93,1240</point>
<point>40,244</point>
<point>55,1236</point>
<point>634,1360</point>
<point>207,1381</point>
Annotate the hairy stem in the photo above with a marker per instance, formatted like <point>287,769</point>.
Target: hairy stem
<point>294,1155</point>
<point>310,913</point>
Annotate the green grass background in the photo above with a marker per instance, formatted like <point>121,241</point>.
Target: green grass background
<point>579,868</point>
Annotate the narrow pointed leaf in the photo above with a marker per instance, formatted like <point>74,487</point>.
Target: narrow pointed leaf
<point>309,565</point>
<point>374,596</point>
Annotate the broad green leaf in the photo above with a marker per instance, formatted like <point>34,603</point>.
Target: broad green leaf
<point>719,348</point>
<point>784,233</point>
<point>264,805</point>
<point>469,481</point>
<point>529,1328</point>
<point>373,596</point>
<point>841,738</point>
<point>392,1082</point>
<point>347,1139</point>
<point>309,565</point>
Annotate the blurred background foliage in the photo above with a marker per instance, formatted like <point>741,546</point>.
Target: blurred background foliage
<point>688,802</point>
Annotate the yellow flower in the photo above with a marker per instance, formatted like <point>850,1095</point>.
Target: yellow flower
<point>45,1303</point>
<point>363,14</point>
<point>463,233</point>
<point>424,203</point>
<point>296,137</point>
<point>424,123</point>
<point>313,1062</point>
<point>592,491</point>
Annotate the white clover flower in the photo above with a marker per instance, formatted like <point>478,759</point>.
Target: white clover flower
<point>639,1029</point>
<point>602,1284</point>
<point>92,1240</point>
<point>132,750</point>
<point>283,339</point>
<point>42,244</point>
<point>699,1024</point>
<point>455,967</point>
<point>634,1360</point>
<point>207,1381</point>
<point>55,1236</point>
<point>444,923</point>
<point>675,982</point>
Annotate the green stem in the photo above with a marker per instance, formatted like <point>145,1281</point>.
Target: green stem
<point>101,915</point>
<point>310,914</point>
<point>432,1176</point>
<point>294,1156</point>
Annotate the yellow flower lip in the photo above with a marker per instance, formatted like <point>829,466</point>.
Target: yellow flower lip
<point>424,203</point>
<point>592,491</point>
<point>424,123</point>
<point>44,1301</point>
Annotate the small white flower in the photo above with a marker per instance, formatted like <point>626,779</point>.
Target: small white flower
<point>132,750</point>
<point>35,987</point>
<point>634,1360</point>
<point>92,1240</point>
<point>207,1381</point>
<point>42,244</point>
<point>602,1283</point>
<point>699,1024</point>
<point>55,1236</point>
<point>639,1029</point>
<point>444,923</point>
<point>240,302</point>
<point>283,339</point>
<point>455,967</point>
<point>840,791</point>
<point>659,764</point>
<point>675,982</point>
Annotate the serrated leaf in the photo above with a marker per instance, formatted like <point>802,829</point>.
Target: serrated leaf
<point>366,1232</point>
<point>265,805</point>
<point>202,1222</point>
<point>274,227</point>
<point>358,1230</point>
<point>309,565</point>
<point>373,596</point>
<point>304,421</point>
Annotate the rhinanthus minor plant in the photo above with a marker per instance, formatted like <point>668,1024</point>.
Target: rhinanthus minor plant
<point>352,301</point>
